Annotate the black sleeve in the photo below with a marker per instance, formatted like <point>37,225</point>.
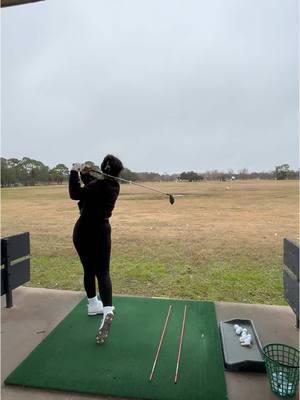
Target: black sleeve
<point>80,193</point>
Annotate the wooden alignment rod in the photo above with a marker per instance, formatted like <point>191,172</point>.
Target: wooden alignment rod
<point>180,345</point>
<point>160,343</point>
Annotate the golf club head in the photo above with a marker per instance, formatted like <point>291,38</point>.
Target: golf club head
<point>171,198</point>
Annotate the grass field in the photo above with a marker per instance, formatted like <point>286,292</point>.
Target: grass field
<point>220,241</point>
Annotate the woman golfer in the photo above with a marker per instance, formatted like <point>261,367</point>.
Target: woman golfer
<point>92,235</point>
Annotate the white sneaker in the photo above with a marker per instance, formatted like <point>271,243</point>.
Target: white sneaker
<point>105,326</point>
<point>96,308</point>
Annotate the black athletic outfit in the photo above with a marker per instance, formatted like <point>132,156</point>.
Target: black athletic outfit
<point>92,231</point>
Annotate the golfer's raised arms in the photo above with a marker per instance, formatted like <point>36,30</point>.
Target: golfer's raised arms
<point>76,191</point>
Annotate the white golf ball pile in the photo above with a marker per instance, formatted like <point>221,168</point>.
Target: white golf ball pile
<point>245,337</point>
<point>281,384</point>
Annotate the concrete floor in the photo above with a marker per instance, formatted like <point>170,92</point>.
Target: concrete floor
<point>37,311</point>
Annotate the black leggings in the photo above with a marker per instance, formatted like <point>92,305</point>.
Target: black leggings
<point>93,245</point>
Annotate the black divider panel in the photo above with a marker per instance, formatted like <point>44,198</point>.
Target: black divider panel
<point>3,281</point>
<point>291,291</point>
<point>291,256</point>
<point>3,251</point>
<point>20,273</point>
<point>18,246</point>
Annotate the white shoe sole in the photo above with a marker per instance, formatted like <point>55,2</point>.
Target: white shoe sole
<point>98,312</point>
<point>95,313</point>
<point>103,332</point>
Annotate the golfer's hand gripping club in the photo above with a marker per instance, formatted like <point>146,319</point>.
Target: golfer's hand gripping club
<point>76,167</point>
<point>83,168</point>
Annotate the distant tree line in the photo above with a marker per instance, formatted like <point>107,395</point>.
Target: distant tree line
<point>147,176</point>
<point>30,172</point>
<point>281,172</point>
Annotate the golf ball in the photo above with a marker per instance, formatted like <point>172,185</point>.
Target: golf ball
<point>239,330</point>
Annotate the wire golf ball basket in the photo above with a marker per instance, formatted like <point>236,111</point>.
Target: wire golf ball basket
<point>282,365</point>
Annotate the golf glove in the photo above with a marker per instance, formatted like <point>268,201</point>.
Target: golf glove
<point>76,167</point>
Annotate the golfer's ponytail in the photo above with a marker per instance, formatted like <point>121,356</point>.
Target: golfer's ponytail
<point>111,165</point>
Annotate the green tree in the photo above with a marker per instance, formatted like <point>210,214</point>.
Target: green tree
<point>30,171</point>
<point>59,173</point>
<point>282,171</point>
<point>8,173</point>
<point>190,176</point>
<point>148,176</point>
<point>91,164</point>
<point>128,175</point>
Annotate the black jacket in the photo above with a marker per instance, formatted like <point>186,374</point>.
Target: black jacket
<point>97,197</point>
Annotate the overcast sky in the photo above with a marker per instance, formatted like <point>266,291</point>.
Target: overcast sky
<point>166,85</point>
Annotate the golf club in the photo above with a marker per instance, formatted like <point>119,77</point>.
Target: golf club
<point>95,171</point>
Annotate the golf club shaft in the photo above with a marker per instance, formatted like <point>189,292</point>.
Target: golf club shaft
<point>127,181</point>
<point>160,343</point>
<point>180,345</point>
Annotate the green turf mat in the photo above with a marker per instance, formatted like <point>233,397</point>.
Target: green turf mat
<point>69,359</point>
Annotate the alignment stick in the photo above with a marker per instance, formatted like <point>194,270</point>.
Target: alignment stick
<point>180,344</point>
<point>160,343</point>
